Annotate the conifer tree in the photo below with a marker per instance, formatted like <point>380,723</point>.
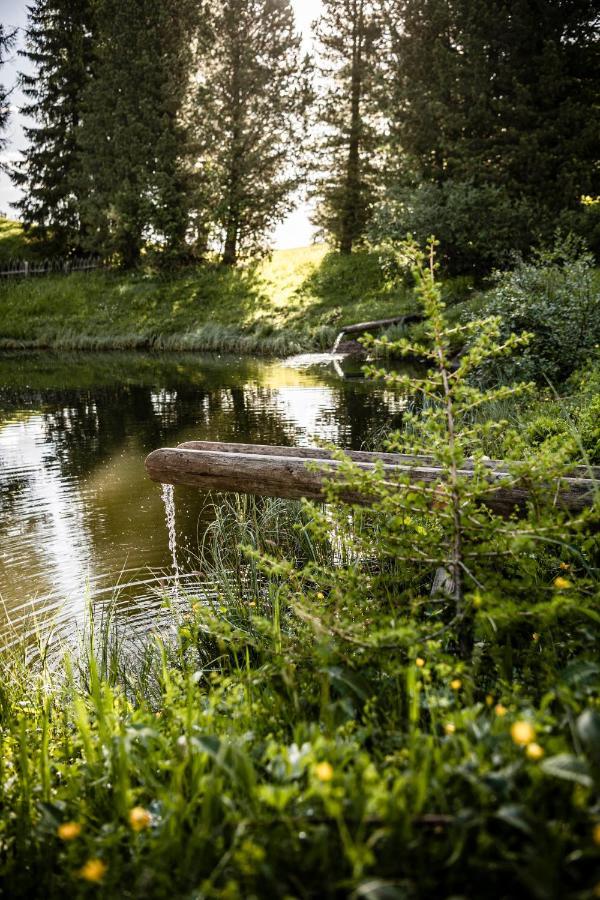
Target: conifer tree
<point>251,96</point>
<point>348,36</point>
<point>59,45</point>
<point>495,99</point>
<point>134,137</point>
<point>6,42</point>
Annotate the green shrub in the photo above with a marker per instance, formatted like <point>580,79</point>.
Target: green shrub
<point>478,226</point>
<point>588,423</point>
<point>556,298</point>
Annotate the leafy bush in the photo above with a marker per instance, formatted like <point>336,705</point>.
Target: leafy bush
<point>556,298</point>
<point>589,429</point>
<point>478,226</point>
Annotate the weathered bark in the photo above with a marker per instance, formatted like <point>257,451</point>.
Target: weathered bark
<point>294,477</point>
<point>366,456</point>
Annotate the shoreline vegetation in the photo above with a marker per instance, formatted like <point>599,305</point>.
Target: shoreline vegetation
<point>292,302</point>
<point>288,304</point>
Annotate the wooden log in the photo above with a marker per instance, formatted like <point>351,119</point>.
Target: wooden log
<point>380,323</point>
<point>375,324</point>
<point>366,456</point>
<point>294,477</point>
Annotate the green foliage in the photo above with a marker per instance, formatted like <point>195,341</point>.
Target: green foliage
<point>288,304</point>
<point>348,43</point>
<point>13,242</point>
<point>6,42</point>
<point>492,114</point>
<point>481,225</point>
<point>248,125</point>
<point>59,46</point>
<point>324,724</point>
<point>556,297</point>
<point>133,139</point>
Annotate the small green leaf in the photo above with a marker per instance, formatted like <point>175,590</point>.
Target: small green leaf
<point>569,768</point>
<point>514,815</point>
<point>588,726</point>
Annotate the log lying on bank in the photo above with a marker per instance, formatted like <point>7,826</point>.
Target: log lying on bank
<point>376,324</point>
<point>293,473</point>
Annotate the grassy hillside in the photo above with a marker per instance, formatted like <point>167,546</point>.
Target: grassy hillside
<point>294,301</point>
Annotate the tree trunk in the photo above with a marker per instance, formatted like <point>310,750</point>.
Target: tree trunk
<point>232,226</point>
<point>230,249</point>
<point>350,226</point>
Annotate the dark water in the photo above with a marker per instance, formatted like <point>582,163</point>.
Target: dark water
<point>77,513</point>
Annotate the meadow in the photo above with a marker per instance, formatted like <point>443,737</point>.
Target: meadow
<point>289,303</point>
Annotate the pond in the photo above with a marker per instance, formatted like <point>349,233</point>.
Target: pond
<point>80,523</point>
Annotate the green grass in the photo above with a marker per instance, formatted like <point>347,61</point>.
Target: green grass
<point>251,757</point>
<point>292,302</point>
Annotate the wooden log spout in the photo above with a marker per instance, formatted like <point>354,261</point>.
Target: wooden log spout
<point>293,473</point>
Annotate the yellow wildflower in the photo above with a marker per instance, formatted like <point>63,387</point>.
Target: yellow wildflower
<point>500,710</point>
<point>449,727</point>
<point>564,566</point>
<point>320,595</point>
<point>419,662</point>
<point>324,771</point>
<point>596,834</point>
<point>139,818</point>
<point>68,831</point>
<point>489,699</point>
<point>562,584</point>
<point>93,870</point>
<point>522,733</point>
<point>534,751</point>
<point>456,684</point>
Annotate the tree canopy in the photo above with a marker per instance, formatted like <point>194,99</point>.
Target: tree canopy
<point>180,129</point>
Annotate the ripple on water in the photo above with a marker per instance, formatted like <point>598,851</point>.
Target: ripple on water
<point>80,524</point>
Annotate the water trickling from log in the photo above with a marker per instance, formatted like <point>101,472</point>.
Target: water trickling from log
<point>168,496</point>
<point>337,343</point>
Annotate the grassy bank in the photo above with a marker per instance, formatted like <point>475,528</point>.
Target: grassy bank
<point>292,302</point>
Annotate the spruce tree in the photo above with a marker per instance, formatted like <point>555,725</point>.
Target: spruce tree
<point>6,42</point>
<point>495,99</point>
<point>59,45</point>
<point>134,137</point>
<point>348,37</point>
<point>250,98</point>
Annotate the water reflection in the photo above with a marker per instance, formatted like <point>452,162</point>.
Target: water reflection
<point>77,513</point>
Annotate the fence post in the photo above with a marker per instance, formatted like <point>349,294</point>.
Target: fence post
<point>26,269</point>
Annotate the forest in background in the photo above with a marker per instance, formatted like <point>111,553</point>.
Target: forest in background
<point>180,130</point>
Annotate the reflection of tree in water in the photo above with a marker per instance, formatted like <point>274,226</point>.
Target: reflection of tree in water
<point>361,415</point>
<point>88,426</point>
<point>92,425</point>
<point>11,490</point>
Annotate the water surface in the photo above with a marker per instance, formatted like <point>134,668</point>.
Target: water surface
<point>77,512</point>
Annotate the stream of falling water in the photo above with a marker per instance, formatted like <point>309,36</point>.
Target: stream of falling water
<point>168,496</point>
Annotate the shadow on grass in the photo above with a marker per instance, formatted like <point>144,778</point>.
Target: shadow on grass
<point>347,289</point>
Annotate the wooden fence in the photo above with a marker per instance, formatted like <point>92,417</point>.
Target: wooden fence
<point>23,268</point>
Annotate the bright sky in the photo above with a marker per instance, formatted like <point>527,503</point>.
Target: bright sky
<point>296,231</point>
